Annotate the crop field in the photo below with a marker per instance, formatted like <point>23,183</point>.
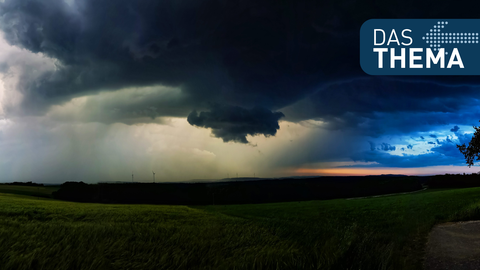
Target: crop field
<point>371,233</point>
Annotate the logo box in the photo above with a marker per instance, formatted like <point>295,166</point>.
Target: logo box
<point>420,47</point>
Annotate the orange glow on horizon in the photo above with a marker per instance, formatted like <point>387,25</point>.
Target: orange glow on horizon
<point>383,170</point>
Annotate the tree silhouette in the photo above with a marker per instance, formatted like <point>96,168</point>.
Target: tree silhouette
<point>472,151</point>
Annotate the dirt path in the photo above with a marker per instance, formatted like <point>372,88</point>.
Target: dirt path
<point>384,195</point>
<point>454,246</point>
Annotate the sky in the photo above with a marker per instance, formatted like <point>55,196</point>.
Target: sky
<point>97,90</point>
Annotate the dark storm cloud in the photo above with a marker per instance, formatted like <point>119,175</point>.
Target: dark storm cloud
<point>387,147</point>
<point>433,136</point>
<point>233,123</point>
<point>236,53</point>
<point>268,54</point>
<point>378,105</point>
<point>244,53</point>
<point>454,129</point>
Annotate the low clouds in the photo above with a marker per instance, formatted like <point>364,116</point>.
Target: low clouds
<point>387,147</point>
<point>448,147</point>
<point>454,129</point>
<point>383,159</point>
<point>442,152</point>
<point>232,123</point>
<point>382,147</point>
<point>127,106</point>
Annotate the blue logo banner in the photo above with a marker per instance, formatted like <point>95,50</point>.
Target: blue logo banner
<point>420,47</point>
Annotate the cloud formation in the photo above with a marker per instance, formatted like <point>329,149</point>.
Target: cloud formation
<point>223,52</point>
<point>93,63</point>
<point>232,123</point>
<point>299,58</point>
<point>387,147</point>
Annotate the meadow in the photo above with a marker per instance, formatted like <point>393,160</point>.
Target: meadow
<point>39,191</point>
<point>370,233</point>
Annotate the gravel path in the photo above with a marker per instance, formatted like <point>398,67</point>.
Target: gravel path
<point>454,246</point>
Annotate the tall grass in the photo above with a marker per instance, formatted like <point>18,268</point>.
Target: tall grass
<point>374,233</point>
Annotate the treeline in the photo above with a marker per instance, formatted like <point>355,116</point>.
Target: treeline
<point>257,191</point>
<point>454,181</point>
<point>30,183</point>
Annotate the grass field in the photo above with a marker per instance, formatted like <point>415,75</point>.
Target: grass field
<point>372,233</point>
<point>45,191</point>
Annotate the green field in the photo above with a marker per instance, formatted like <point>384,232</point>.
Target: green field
<point>45,191</point>
<point>372,233</point>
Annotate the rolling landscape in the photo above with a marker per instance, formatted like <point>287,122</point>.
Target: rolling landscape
<point>239,134</point>
<point>373,232</point>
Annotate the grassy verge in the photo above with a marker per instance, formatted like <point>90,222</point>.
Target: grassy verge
<point>45,191</point>
<point>372,233</point>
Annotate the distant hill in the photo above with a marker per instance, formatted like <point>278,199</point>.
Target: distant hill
<point>238,191</point>
<point>29,190</point>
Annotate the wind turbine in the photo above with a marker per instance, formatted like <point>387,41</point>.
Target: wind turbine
<point>153,176</point>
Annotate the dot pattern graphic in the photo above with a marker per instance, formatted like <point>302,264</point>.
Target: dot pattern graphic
<point>436,37</point>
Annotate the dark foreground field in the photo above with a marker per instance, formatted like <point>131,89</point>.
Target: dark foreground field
<point>373,233</point>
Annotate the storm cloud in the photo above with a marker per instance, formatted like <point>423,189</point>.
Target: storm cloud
<point>136,67</point>
<point>387,147</point>
<point>244,54</point>
<point>225,52</point>
<point>233,123</point>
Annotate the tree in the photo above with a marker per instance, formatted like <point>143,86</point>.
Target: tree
<point>472,151</point>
